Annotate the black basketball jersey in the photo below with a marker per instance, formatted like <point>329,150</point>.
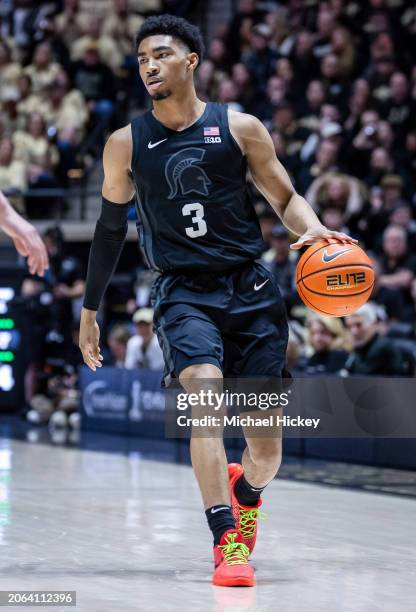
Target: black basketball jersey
<point>192,200</point>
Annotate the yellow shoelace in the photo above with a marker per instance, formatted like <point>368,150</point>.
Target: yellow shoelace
<point>248,520</point>
<point>235,553</point>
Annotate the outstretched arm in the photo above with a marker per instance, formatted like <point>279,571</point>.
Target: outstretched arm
<point>108,241</point>
<point>272,180</point>
<point>25,237</point>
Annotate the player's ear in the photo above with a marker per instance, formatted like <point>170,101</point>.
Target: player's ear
<point>192,61</point>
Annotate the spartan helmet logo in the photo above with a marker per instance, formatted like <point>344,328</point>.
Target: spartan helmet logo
<point>183,173</point>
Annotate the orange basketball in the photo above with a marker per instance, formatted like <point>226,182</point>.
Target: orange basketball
<point>334,279</point>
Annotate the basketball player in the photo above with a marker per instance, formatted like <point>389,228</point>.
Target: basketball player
<point>218,311</point>
<point>25,237</point>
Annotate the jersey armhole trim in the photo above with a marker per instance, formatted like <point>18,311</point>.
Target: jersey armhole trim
<point>232,139</point>
<point>134,148</point>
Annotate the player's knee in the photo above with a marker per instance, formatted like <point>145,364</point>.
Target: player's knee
<point>203,379</point>
<point>200,371</point>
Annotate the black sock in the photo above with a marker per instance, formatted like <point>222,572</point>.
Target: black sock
<point>245,493</point>
<point>220,519</point>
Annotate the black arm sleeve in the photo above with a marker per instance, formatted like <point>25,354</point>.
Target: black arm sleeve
<point>109,236</point>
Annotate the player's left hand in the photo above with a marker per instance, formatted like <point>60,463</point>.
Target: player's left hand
<point>322,233</point>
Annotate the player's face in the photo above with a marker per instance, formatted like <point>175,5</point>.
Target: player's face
<point>165,65</point>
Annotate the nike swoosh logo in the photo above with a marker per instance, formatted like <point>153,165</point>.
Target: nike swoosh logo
<point>258,287</point>
<point>152,145</point>
<point>330,256</point>
<point>218,509</point>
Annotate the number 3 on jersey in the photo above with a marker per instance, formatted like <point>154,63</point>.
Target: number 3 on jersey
<point>196,210</point>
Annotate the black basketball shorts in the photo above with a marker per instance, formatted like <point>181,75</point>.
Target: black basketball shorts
<point>235,321</point>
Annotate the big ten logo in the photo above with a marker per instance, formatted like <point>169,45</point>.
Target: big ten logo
<point>212,139</point>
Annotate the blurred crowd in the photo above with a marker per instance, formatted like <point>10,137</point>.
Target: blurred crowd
<point>67,76</point>
<point>334,82</point>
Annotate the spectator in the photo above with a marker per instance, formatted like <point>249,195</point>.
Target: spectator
<point>248,13</point>
<point>43,69</point>
<point>228,94</point>
<point>32,145</point>
<point>392,191</point>
<point>96,82</point>
<point>398,107</point>
<point>246,91</point>
<point>117,343</point>
<point>310,109</point>
<point>325,25</point>
<point>373,355</point>
<point>143,350</point>
<point>333,80</point>
<point>69,23</point>
<point>336,191</point>
<point>397,270</point>
<point>65,110</point>
<point>66,279</point>
<point>364,142</point>
<point>304,63</point>
<point>276,92</point>
<point>217,54</point>
<point>388,299</point>
<point>381,163</point>
<point>27,102</point>
<point>284,70</point>
<point>66,114</point>
<point>343,48</point>
<point>330,345</point>
<point>261,61</point>
<point>385,136</point>
<point>284,120</point>
<point>357,104</point>
<point>41,158</point>
<point>326,161</point>
<point>378,75</point>
<point>402,215</point>
<point>108,51</point>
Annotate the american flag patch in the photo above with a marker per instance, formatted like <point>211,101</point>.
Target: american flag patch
<point>212,131</point>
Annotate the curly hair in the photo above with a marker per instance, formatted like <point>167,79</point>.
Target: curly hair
<point>177,27</point>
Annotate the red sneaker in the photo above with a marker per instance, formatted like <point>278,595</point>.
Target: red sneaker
<point>231,562</point>
<point>245,517</point>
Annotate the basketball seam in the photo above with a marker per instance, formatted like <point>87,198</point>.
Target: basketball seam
<point>345,295</point>
<point>334,267</point>
<point>325,246</point>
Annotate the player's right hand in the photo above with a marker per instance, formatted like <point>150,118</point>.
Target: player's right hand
<point>89,339</point>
